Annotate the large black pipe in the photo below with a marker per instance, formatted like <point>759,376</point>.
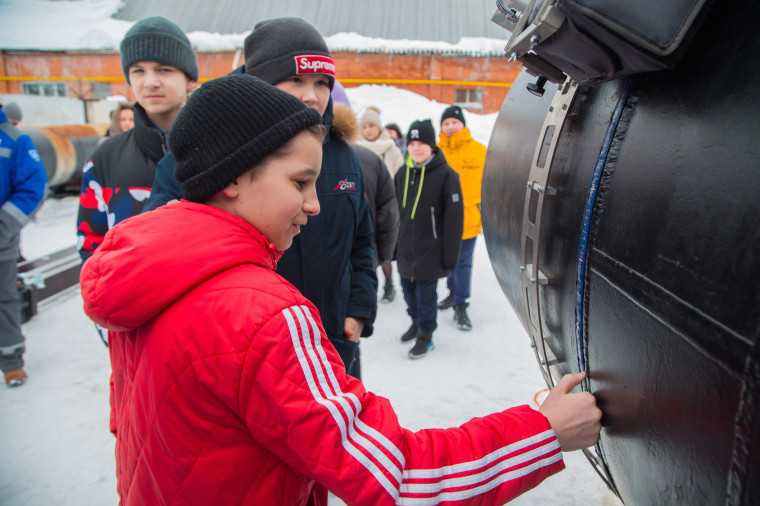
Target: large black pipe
<point>667,317</point>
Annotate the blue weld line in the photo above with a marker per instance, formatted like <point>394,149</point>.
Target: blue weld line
<point>588,212</point>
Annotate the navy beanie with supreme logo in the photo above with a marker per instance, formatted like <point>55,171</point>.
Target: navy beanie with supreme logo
<point>279,48</point>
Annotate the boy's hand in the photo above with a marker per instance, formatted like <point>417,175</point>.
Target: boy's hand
<point>575,418</point>
<point>352,329</point>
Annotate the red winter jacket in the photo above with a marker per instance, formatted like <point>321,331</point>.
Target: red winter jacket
<point>226,391</point>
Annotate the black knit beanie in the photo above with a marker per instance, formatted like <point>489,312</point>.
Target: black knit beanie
<point>453,112</point>
<point>229,125</point>
<point>158,39</point>
<point>423,131</point>
<point>279,48</point>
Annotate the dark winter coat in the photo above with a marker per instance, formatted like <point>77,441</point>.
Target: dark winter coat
<point>116,180</point>
<point>341,281</point>
<point>382,203</point>
<point>432,216</point>
<point>165,186</point>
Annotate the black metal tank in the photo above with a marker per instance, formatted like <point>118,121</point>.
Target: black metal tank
<point>637,258</point>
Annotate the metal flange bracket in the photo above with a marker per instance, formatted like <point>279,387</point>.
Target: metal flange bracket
<point>537,189</point>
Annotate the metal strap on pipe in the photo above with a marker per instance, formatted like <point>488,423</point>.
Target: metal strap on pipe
<point>536,190</point>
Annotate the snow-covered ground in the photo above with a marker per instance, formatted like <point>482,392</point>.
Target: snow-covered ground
<point>56,448</point>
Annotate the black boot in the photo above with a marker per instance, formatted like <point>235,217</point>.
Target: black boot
<point>460,316</point>
<point>446,303</point>
<point>389,292</point>
<point>410,333</point>
<point>423,345</point>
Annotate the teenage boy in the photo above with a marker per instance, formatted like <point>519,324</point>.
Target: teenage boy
<point>331,260</point>
<point>161,69</point>
<point>430,207</point>
<point>225,389</point>
<point>467,157</point>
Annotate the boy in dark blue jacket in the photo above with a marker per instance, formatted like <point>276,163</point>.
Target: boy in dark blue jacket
<point>330,261</point>
<point>432,216</point>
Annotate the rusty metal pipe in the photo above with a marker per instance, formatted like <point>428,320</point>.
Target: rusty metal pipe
<point>64,149</point>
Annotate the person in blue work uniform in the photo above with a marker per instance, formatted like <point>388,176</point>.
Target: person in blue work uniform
<point>22,187</point>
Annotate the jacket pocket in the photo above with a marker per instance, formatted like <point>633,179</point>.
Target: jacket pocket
<point>432,221</point>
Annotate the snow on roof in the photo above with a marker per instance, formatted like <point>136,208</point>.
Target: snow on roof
<point>92,25</point>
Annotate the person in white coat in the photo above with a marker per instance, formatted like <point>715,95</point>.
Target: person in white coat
<point>375,137</point>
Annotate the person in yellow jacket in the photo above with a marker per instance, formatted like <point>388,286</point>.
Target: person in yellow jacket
<point>467,157</point>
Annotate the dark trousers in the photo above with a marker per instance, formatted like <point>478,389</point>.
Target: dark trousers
<point>460,279</point>
<point>421,299</point>
<point>11,339</point>
<point>350,354</point>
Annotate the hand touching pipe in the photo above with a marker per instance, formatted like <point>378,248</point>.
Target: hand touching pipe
<point>574,417</point>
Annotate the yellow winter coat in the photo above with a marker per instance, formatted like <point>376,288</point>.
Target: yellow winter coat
<point>467,157</point>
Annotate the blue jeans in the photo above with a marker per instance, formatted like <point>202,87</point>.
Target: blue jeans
<point>460,279</point>
<point>421,302</point>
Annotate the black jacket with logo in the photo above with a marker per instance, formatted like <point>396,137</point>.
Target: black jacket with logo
<point>432,216</point>
<point>340,280</point>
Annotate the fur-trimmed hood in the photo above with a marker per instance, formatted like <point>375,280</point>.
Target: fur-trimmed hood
<point>344,125</point>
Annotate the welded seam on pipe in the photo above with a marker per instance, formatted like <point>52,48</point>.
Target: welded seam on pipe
<point>588,213</point>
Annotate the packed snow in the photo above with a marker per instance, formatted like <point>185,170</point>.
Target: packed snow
<point>57,449</point>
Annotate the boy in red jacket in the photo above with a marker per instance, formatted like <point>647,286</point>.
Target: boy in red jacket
<point>225,389</point>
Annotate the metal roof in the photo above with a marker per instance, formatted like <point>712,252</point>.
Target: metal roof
<point>446,21</point>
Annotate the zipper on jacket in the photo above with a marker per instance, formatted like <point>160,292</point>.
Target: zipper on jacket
<point>432,220</point>
<point>419,189</point>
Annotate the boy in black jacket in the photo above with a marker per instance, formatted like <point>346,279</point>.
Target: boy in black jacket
<point>432,216</point>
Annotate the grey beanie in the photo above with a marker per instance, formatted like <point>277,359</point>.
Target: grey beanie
<point>279,48</point>
<point>229,125</point>
<point>158,39</point>
<point>13,111</point>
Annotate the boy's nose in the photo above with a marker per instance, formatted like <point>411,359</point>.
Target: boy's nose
<point>311,205</point>
<point>309,96</point>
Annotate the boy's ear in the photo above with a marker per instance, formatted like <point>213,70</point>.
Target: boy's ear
<point>232,190</point>
<point>191,85</point>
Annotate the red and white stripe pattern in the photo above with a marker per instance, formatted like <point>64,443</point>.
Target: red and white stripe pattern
<point>384,461</point>
<point>468,479</point>
<point>373,450</point>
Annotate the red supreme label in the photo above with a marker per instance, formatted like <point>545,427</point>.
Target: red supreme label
<point>315,64</point>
